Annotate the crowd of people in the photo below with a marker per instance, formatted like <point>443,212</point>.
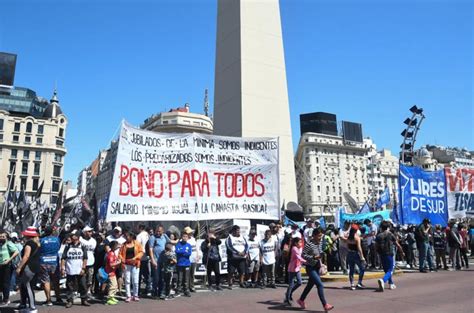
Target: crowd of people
<point>161,265</point>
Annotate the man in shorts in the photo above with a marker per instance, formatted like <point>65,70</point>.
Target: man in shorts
<point>50,245</point>
<point>237,252</point>
<point>253,258</point>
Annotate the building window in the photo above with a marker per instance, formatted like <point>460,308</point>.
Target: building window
<point>24,168</point>
<point>17,127</point>
<point>61,132</point>
<point>35,184</point>
<point>29,127</point>
<point>59,143</point>
<point>23,183</point>
<point>26,154</point>
<point>57,157</point>
<point>40,129</point>
<point>36,171</point>
<point>14,153</point>
<point>55,186</point>
<point>27,139</point>
<point>12,167</point>
<point>38,155</point>
<point>1,137</point>
<point>1,124</point>
<point>16,138</point>
<point>57,171</point>
<point>39,141</point>
<point>54,199</point>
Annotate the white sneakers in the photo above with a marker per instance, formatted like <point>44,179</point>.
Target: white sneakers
<point>392,287</point>
<point>381,285</point>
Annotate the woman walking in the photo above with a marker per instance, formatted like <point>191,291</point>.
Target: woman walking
<point>355,256</point>
<point>130,256</point>
<point>312,252</point>
<point>28,268</point>
<point>294,268</point>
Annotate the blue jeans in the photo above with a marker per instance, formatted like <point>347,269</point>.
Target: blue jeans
<point>292,286</point>
<point>353,258</point>
<point>388,265</point>
<point>314,279</point>
<point>425,255</point>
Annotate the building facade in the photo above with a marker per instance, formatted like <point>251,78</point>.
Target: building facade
<point>32,143</point>
<point>326,167</point>
<point>179,120</point>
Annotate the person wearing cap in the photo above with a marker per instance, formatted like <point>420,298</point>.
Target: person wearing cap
<point>8,252</point>
<point>90,244</point>
<point>73,265</point>
<point>116,236</point>
<point>28,268</point>
<point>49,262</point>
<point>194,257</point>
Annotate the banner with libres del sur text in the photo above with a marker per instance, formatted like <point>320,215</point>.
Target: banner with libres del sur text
<point>189,176</point>
<point>422,195</point>
<point>460,189</point>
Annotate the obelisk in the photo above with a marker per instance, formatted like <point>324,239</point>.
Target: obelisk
<point>250,92</point>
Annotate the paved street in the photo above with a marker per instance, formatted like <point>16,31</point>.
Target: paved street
<point>416,292</point>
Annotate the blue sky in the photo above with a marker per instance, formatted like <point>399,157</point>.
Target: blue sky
<point>366,61</point>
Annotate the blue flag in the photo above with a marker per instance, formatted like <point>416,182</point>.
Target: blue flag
<point>365,208</point>
<point>422,195</point>
<point>384,198</point>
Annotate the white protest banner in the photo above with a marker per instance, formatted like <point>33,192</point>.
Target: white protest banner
<point>244,227</point>
<point>261,229</point>
<point>184,177</point>
<point>460,191</point>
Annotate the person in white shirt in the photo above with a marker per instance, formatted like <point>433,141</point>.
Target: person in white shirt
<point>268,252</point>
<point>89,244</point>
<point>253,258</point>
<point>308,230</point>
<point>237,251</point>
<point>193,258</point>
<point>143,237</point>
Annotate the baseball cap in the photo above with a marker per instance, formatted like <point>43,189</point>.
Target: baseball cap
<point>118,228</point>
<point>87,228</point>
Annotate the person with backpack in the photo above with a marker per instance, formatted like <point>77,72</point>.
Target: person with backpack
<point>8,253</point>
<point>424,235</point>
<point>386,243</point>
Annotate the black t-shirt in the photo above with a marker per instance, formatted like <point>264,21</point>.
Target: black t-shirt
<point>385,243</point>
<point>34,260</point>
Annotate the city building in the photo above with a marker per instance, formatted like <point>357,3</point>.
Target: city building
<point>82,182</point>
<point>384,168</point>
<point>327,166</point>
<point>179,120</point>
<point>251,93</point>
<point>32,141</point>
<point>448,156</point>
<point>106,173</point>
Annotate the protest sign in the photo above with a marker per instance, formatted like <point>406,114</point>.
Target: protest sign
<point>182,177</point>
<point>422,195</point>
<point>460,190</point>
<point>375,217</point>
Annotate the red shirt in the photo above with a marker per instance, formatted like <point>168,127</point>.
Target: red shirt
<point>111,259</point>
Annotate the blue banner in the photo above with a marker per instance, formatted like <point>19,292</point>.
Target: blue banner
<point>422,195</point>
<point>103,208</point>
<point>375,217</point>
